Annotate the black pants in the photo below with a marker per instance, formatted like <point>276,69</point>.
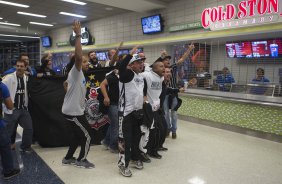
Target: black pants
<point>163,130</point>
<point>154,137</point>
<point>129,137</point>
<point>80,132</point>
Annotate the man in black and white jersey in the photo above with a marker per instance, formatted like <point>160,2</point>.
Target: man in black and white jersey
<point>17,85</point>
<point>170,101</point>
<point>130,111</point>
<point>74,107</point>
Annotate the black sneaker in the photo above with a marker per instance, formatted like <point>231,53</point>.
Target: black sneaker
<point>11,174</point>
<point>145,158</point>
<point>26,150</point>
<point>155,155</point>
<point>162,149</point>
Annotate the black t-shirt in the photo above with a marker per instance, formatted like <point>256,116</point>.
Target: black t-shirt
<point>113,89</point>
<point>19,98</point>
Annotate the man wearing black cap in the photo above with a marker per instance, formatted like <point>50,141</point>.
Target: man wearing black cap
<point>171,99</point>
<point>130,112</point>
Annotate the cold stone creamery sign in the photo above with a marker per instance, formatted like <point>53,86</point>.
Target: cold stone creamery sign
<point>248,13</point>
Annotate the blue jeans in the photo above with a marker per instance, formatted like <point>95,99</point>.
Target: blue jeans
<point>111,138</point>
<point>5,150</point>
<point>23,118</point>
<point>170,117</point>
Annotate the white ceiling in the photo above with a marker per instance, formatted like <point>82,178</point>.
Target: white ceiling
<point>94,10</point>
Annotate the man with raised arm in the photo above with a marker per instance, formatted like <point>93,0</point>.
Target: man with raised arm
<point>74,106</point>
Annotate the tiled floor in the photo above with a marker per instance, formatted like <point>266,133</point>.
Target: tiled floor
<point>199,155</point>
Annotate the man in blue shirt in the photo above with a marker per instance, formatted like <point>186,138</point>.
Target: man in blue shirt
<point>5,150</point>
<point>260,79</point>
<point>225,80</point>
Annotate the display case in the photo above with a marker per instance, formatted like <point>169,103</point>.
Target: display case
<point>10,52</point>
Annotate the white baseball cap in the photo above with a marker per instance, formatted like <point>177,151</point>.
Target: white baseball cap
<point>135,57</point>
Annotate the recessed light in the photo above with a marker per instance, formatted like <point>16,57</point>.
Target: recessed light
<point>41,24</point>
<point>109,8</point>
<point>73,15</point>
<point>9,24</point>
<point>14,4</point>
<point>1,18</point>
<point>18,36</point>
<point>75,2</point>
<point>31,14</point>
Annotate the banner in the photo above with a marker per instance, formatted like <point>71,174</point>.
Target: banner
<point>45,106</point>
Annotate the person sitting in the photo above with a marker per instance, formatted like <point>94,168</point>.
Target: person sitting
<point>225,80</point>
<point>259,79</point>
<point>46,67</point>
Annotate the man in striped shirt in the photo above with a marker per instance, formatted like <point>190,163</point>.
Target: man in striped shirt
<point>171,101</point>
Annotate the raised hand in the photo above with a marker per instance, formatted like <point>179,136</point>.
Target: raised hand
<point>76,27</point>
<point>191,46</point>
<point>134,49</point>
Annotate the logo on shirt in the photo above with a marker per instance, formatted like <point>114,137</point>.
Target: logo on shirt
<point>156,85</point>
<point>95,118</point>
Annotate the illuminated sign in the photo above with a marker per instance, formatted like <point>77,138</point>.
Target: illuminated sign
<point>86,38</point>
<point>246,14</point>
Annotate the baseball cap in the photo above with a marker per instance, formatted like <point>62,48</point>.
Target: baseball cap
<point>135,57</point>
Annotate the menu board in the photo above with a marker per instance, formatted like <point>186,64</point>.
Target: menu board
<point>260,49</point>
<point>230,50</point>
<point>275,47</point>
<point>243,49</point>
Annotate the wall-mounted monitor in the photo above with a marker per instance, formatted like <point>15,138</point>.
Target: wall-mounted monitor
<point>102,56</point>
<point>230,50</point>
<point>260,49</point>
<point>239,49</point>
<point>46,41</point>
<point>275,47</point>
<point>152,24</point>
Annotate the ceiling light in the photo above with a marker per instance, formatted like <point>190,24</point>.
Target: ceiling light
<point>31,14</point>
<point>73,15</point>
<point>18,36</point>
<point>1,18</point>
<point>109,8</point>
<point>41,24</point>
<point>10,40</point>
<point>9,24</point>
<point>75,2</point>
<point>14,4</point>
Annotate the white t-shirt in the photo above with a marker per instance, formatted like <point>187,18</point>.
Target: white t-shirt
<point>74,101</point>
<point>133,94</point>
<point>154,88</point>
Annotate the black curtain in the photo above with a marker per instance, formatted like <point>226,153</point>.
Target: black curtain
<point>45,104</point>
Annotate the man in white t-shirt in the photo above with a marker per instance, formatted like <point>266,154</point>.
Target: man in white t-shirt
<point>74,106</point>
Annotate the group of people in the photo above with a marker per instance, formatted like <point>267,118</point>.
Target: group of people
<point>142,101</point>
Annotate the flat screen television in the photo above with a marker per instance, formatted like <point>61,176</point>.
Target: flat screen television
<point>152,24</point>
<point>275,47</point>
<point>101,56</point>
<point>46,41</point>
<point>230,50</point>
<point>260,49</point>
<point>239,49</point>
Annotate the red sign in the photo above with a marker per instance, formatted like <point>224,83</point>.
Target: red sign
<point>246,9</point>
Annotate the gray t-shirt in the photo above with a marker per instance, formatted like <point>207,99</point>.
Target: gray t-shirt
<point>74,101</point>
